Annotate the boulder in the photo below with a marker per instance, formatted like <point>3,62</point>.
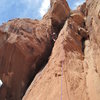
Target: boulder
<point>58,13</point>
<point>59,10</point>
<point>21,56</point>
<point>78,18</point>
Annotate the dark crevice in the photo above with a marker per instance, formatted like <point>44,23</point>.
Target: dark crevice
<point>57,27</point>
<point>83,42</point>
<point>83,32</point>
<point>41,63</point>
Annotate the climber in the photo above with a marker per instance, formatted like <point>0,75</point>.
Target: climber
<point>54,36</point>
<point>83,32</point>
<point>1,83</point>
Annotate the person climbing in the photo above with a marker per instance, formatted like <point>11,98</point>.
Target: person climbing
<point>54,36</point>
<point>1,83</point>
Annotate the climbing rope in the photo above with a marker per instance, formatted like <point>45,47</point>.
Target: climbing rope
<point>63,73</point>
<point>1,83</point>
<point>61,78</point>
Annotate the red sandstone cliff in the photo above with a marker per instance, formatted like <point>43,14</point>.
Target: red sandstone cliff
<point>72,72</point>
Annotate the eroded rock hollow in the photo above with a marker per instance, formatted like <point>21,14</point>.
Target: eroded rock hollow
<point>55,58</point>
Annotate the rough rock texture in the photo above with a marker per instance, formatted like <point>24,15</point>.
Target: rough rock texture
<point>21,55</point>
<point>59,10</point>
<point>82,8</point>
<point>25,46</point>
<point>92,50</point>
<point>63,76</point>
<point>58,13</point>
<point>73,69</point>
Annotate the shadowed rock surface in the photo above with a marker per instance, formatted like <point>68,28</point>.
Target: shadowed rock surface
<point>74,64</point>
<point>21,55</point>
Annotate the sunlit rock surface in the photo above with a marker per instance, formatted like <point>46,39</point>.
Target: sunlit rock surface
<point>55,58</point>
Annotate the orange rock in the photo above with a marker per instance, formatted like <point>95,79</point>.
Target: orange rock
<point>58,12</point>
<point>63,76</point>
<point>73,74</point>
<point>25,47</point>
<point>73,69</point>
<point>82,8</point>
<point>92,50</point>
<point>21,55</point>
<point>78,18</point>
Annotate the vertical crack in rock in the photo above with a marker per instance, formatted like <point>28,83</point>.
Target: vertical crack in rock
<point>84,34</point>
<point>68,48</point>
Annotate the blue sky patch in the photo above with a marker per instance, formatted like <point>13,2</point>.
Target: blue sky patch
<point>35,9</point>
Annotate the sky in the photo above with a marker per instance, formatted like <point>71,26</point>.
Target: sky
<point>34,9</point>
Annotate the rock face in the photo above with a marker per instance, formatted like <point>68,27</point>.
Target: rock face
<point>21,55</point>
<point>59,10</point>
<point>58,13</point>
<point>25,46</point>
<point>73,69</point>
<point>92,50</point>
<point>66,76</point>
